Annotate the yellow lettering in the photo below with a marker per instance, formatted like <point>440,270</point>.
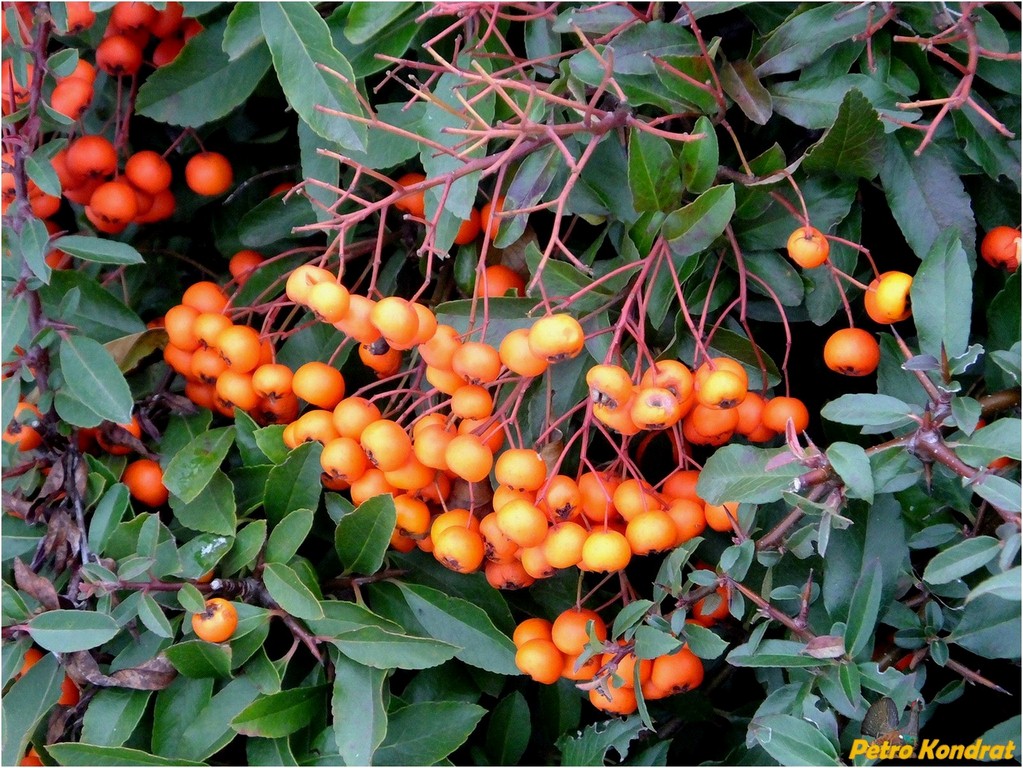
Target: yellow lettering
<point>998,752</point>
<point>942,751</point>
<point>905,751</point>
<point>956,752</point>
<point>873,752</point>
<point>973,750</point>
<point>1009,748</point>
<point>859,747</point>
<point>926,749</point>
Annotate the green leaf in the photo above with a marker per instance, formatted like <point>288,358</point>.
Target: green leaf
<point>740,83</point>
<point>246,546</point>
<point>31,245</point>
<point>1005,585</point>
<point>806,36</point>
<point>153,618</point>
<point>814,103</point>
<point>280,714</point>
<point>74,753</point>
<point>66,631</point>
<point>694,227</point>
<point>863,609</point>
<point>653,173</point>
<point>869,410</point>
<point>26,703</point>
<point>129,351</point>
<point>791,740</point>
<point>927,198</point>
<point>378,648</point>
<point>288,535</point>
<point>366,20</point>
<point>212,510</point>
<point>464,625</point>
<point>772,653</point>
<point>1002,438</point>
<point>195,465</point>
<point>107,515</point>
<point>531,181</point>
<point>509,730</point>
<point>700,157</point>
<point>112,715</point>
<point>651,643</point>
<point>99,250</point>
<point>190,725</point>
<point>427,732</point>
<point>15,323</point>
<point>191,599</point>
<point>98,314</point>
<point>852,464</point>
<point>243,31</point>
<point>202,84</point>
<point>92,376</point>
<point>1000,491</point>
<point>357,688</point>
<point>591,746</point>
<point>295,484</point>
<point>739,473</point>
<point>319,167</point>
<point>362,537</point>
<point>961,559</point>
<point>197,658</point>
<point>989,627</point>
<point>854,145</point>
<point>941,311</point>
<point>290,593</point>
<point>300,44</point>
<point>703,642</point>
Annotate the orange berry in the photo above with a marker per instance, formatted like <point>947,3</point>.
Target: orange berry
<point>79,17</point>
<point>476,362</point>
<point>353,414</point>
<point>672,375</point>
<point>654,408</point>
<point>69,693</point>
<point>681,484</point>
<point>33,656</point>
<point>243,263</point>
<point>217,623</point>
<point>144,479</point>
<point>272,380</point>
<point>119,55</point>
<point>458,549</point>
<point>411,476</point>
<point>413,516</point>
<point>507,575</point>
<point>562,500</point>
<point>329,301</point>
<point>597,492</point>
<point>356,323</point>
<point>343,459</point>
<point>517,357</point>
<point>489,431</point>
<point>301,281</point>
<point>677,672</point>
<point>113,204</point>
<point>534,562</point>
<point>628,668</point>
<point>632,497</point>
<point>387,444</point>
<point>320,384</point>
<point>469,229</point>
<point>721,390</point>
<point>852,352</point>
<point>372,483</point>
<point>235,388</point>
<point>490,225</point>
<point>439,350</point>
<point>530,629</point>
<point>205,297</point>
<point>706,618</point>
<point>651,531</point>
<point>385,363</point>
<point>315,426</point>
<point>569,630</point>
<point>556,337</point>
<point>541,660</point>
<point>397,321</point>
<point>622,700</point>
<point>587,670</point>
<point>133,16</point>
<point>563,545</point>
<point>71,97</point>
<point>779,410</point>
<point>239,346</point>
<point>20,431</point>
<point>430,445</point>
<point>412,202</point>
<point>688,517</point>
<point>469,458</point>
<point>808,247</point>
<point>427,324</point>
<point>523,523</point>
<point>1001,248</point>
<point>472,402</point>
<point>610,385</point>
<point>720,516</point>
<point>209,174</point>
<point>618,419</point>
<point>503,495</point>
<point>713,424</point>
<point>750,411</point>
<point>521,468</point>
<point>887,297</point>
<point>148,171</point>
<point>498,280</point>
<point>460,517</point>
<point>606,550</point>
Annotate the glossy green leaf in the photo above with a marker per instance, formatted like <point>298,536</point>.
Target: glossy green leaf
<point>863,609</point>
<point>288,535</point>
<point>852,465</point>
<point>98,314</point>
<point>793,741</point>
<point>281,714</point>
<point>739,473</point>
<point>989,627</point>
<point>653,173</point>
<point>243,31</point>
<point>1001,438</point>
<point>78,753</point>
<point>426,733</point>
<point>112,716</point>
<point>869,410</point>
<point>300,44</point>
<point>361,538</point>
<point>295,484</point>
<point>463,625</point>
<point>700,158</point>
<point>739,81</point>
<point>202,84</point>
<point>695,226</point>
<point>66,631</point>
<point>289,592</point>
<point>1005,585</point>
<point>357,688</point>
<point>212,510</point>
<point>26,703</point>
<point>941,311</point>
<point>806,36</point>
<point>961,559</point>
<point>378,648</point>
<point>194,466</point>
<point>854,145</point>
<point>591,746</point>
<point>93,377</point>
<point>97,249</point>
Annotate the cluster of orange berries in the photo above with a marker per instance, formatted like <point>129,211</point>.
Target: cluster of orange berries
<point>713,404</point>
<point>549,651</point>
